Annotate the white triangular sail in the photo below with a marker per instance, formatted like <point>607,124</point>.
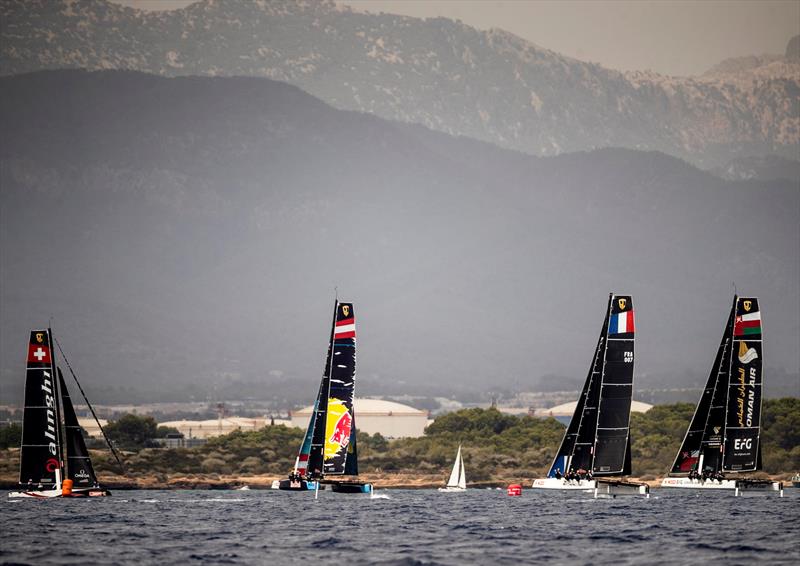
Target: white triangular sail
<point>462,476</point>
<point>457,477</point>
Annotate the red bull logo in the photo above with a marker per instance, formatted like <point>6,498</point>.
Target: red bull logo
<point>338,427</point>
<point>341,433</point>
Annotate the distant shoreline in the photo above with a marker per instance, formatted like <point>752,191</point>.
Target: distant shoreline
<point>381,481</point>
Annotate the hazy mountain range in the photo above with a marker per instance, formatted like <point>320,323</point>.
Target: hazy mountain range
<point>186,235</point>
<point>487,85</point>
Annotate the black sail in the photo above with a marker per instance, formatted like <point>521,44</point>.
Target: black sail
<point>585,416</point>
<point>41,450</point>
<point>597,438</point>
<point>78,464</point>
<point>561,463</point>
<point>704,436</point>
<point>742,445</point>
<point>611,448</point>
<point>334,419</point>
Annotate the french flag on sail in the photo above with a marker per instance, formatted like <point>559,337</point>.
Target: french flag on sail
<point>345,328</point>
<point>621,323</point>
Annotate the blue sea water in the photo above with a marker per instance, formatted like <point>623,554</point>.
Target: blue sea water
<point>400,527</point>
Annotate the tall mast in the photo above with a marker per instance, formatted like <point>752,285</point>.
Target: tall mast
<point>60,428</point>
<point>317,452</point>
<point>330,373</point>
<point>602,372</point>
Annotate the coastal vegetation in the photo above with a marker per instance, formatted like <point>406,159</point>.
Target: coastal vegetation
<point>497,447</point>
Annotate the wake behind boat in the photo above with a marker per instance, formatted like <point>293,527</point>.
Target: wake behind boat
<point>54,461</point>
<point>329,446</point>
<point>458,477</point>
<point>724,435</point>
<point>597,444</point>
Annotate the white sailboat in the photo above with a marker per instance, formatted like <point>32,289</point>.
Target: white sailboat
<point>458,478</point>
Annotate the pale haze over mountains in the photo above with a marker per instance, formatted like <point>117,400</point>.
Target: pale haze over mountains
<point>476,196</point>
<point>488,85</point>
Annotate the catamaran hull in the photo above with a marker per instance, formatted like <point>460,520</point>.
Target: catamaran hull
<point>758,487</point>
<point>739,487</point>
<point>349,487</point>
<point>52,493</point>
<point>564,484</point>
<point>612,489</point>
<point>686,483</point>
<point>289,485</point>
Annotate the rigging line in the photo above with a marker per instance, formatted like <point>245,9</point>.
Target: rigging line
<point>105,436</point>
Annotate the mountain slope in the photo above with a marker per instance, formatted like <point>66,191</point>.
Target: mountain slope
<point>491,85</point>
<point>187,234</point>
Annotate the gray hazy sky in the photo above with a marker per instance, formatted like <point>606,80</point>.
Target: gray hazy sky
<point>677,37</point>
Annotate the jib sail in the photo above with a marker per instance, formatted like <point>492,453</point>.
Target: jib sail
<point>78,465</point>
<point>562,462</point>
<point>742,448</point>
<point>303,462</point>
<point>334,423</point>
<point>703,440</point>
<point>598,436</point>
<point>41,450</point>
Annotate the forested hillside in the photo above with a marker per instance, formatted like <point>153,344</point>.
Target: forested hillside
<point>496,447</point>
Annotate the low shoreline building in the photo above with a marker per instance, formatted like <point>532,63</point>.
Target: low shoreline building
<point>563,413</point>
<point>389,419</point>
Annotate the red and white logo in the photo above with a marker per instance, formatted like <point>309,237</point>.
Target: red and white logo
<point>345,328</point>
<point>38,354</point>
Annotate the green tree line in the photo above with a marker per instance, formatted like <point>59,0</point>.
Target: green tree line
<point>495,445</point>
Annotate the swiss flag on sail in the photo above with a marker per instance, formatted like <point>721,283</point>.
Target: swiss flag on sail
<point>39,354</point>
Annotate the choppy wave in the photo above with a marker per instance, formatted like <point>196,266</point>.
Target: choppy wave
<point>412,528</point>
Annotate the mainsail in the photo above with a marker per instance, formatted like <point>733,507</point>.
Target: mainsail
<point>598,436</point>
<point>301,464</point>
<point>41,450</point>
<point>742,446</point>
<point>724,432</point>
<point>333,419</point>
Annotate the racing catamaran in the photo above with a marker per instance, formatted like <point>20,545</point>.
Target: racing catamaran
<point>54,461</point>
<point>458,478</point>
<point>597,444</point>
<point>724,435</point>
<point>329,447</point>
